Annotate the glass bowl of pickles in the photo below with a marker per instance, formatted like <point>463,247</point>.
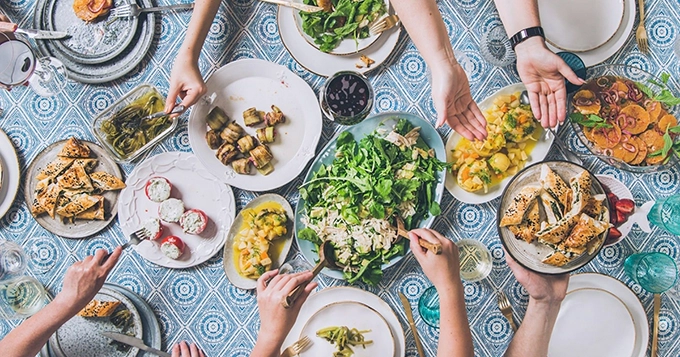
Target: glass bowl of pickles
<point>124,128</point>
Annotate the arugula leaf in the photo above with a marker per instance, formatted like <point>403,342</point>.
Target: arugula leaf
<point>665,96</point>
<point>665,76</point>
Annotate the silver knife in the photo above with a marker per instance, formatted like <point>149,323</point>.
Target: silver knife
<point>33,33</point>
<point>134,342</point>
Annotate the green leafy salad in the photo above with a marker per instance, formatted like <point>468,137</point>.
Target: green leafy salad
<point>340,19</point>
<point>352,202</point>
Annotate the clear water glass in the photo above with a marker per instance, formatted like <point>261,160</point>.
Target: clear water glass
<point>13,260</point>
<point>665,214</point>
<point>496,48</point>
<point>655,272</point>
<point>21,297</point>
<point>428,306</point>
<point>475,260</point>
<point>295,265</point>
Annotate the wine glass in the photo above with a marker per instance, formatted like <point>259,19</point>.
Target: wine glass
<point>496,48</point>
<point>19,65</point>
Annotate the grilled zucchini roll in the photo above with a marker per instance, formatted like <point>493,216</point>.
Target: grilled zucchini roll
<point>245,143</point>
<point>252,117</point>
<point>231,133</point>
<point>226,153</point>
<point>241,166</point>
<point>266,135</point>
<point>261,156</point>
<point>217,118</point>
<point>213,138</point>
<point>274,117</point>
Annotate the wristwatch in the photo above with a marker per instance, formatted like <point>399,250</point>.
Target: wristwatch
<point>522,35</point>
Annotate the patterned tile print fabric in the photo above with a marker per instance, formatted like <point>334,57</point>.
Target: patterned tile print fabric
<point>199,304</point>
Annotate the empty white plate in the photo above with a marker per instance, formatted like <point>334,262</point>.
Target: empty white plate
<point>600,317</point>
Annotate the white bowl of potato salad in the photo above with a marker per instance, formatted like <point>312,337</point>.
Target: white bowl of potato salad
<point>481,169</point>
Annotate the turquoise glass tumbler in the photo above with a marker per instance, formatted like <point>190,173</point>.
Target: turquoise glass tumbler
<point>655,272</point>
<point>665,214</point>
<point>428,307</point>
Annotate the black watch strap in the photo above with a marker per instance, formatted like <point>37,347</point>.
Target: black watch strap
<point>522,35</point>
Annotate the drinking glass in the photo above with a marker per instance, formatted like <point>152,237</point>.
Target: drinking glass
<point>428,307</point>
<point>13,260</point>
<point>655,272</point>
<point>475,260</point>
<point>21,297</point>
<point>576,64</point>
<point>496,48</point>
<point>19,65</point>
<point>665,214</point>
<point>346,98</point>
<point>676,47</point>
<point>295,265</point>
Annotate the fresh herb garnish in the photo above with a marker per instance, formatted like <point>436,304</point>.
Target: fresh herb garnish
<point>348,19</point>
<point>591,121</point>
<point>668,144</point>
<point>665,96</point>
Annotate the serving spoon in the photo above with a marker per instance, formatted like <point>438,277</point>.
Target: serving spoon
<point>435,248</point>
<point>561,146</point>
<point>326,260</point>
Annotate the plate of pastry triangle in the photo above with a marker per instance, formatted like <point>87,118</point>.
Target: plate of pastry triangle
<point>553,217</point>
<point>72,188</point>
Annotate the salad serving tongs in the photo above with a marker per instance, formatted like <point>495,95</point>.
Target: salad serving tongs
<point>435,248</point>
<point>326,259</point>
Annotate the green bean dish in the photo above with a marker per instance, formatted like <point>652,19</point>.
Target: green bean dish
<point>344,338</point>
<point>127,131</point>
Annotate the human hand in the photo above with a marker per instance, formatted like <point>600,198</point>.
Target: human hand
<point>541,287</point>
<point>443,269</point>
<point>84,278</point>
<point>543,73</point>
<point>276,321</point>
<point>453,102</point>
<point>186,82</point>
<point>183,350</point>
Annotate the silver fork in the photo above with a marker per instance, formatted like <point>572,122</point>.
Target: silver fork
<point>133,10</point>
<point>297,347</point>
<point>383,24</point>
<point>137,236</point>
<point>506,308</point>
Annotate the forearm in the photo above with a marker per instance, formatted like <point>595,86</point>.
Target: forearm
<point>455,338</point>
<point>202,17</point>
<point>265,346</point>
<point>425,26</point>
<point>27,339</point>
<point>533,337</point>
<point>518,14</point>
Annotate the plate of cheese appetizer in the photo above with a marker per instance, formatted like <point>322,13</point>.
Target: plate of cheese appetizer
<point>258,127</point>
<point>72,188</point>
<point>185,210</point>
<point>482,169</point>
<point>553,217</point>
<point>259,240</point>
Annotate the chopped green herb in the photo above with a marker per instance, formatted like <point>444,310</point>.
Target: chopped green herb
<point>591,121</point>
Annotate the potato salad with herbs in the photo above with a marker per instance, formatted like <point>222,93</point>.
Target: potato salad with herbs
<point>353,201</point>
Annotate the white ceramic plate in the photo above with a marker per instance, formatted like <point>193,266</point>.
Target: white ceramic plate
<point>552,12</point>
<point>248,83</point>
<point>80,336</point>
<point>319,300</point>
<point>538,154</point>
<point>194,185</point>
<point>228,261</point>
<point>353,315</point>
<point>347,46</point>
<point>600,317</point>
<point>621,191</point>
<point>9,179</point>
<point>597,22</point>
<point>325,64</point>
<point>80,228</point>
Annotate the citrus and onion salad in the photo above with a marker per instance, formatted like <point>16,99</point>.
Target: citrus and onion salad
<point>352,201</point>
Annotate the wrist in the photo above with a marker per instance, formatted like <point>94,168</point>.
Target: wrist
<point>530,44</point>
<point>444,62</point>
<point>64,307</point>
<point>269,342</point>
<point>450,287</point>
<point>546,303</point>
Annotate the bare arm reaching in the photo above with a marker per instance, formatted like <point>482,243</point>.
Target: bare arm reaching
<point>443,271</point>
<point>450,87</point>
<point>542,71</point>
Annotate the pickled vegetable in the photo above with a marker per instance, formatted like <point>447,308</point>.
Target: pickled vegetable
<point>344,338</point>
<point>217,118</point>
<point>128,131</point>
<point>499,162</point>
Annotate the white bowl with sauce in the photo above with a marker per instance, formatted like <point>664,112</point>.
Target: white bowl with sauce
<point>278,249</point>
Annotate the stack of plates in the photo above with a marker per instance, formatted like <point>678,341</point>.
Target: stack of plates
<point>98,51</point>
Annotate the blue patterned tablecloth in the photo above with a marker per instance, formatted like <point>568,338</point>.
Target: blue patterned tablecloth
<point>200,304</point>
